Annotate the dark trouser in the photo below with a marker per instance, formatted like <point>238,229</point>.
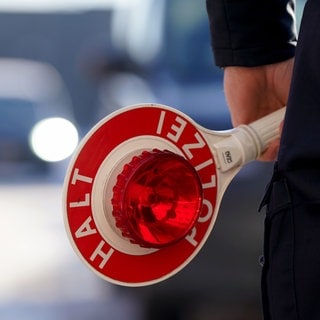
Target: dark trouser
<point>291,271</point>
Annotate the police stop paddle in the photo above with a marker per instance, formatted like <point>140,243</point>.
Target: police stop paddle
<point>142,191</point>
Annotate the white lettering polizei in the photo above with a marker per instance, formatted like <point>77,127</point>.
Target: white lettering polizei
<point>196,145</point>
<point>204,218</point>
<point>160,123</point>
<point>191,237</point>
<point>177,130</point>
<point>210,184</point>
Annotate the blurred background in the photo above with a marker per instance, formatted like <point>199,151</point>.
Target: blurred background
<point>64,65</point>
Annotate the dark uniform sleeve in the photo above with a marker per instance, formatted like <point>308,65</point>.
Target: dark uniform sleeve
<point>252,32</point>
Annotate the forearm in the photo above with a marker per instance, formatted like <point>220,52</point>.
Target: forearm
<point>251,32</point>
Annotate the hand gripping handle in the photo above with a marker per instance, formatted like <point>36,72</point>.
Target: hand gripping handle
<point>247,142</point>
<point>266,129</point>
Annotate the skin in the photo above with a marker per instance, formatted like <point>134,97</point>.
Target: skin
<point>253,92</point>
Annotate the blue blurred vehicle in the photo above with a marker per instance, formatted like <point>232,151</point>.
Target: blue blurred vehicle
<point>37,125</point>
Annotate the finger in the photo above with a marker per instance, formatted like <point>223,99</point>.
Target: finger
<point>271,153</point>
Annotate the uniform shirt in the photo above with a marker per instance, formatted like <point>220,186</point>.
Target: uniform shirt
<point>252,32</point>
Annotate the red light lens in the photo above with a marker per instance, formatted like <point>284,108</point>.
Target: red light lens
<point>157,199</point>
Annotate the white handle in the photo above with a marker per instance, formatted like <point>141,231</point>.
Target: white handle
<point>267,128</point>
<point>247,142</point>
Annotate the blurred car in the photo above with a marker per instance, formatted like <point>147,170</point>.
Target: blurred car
<point>37,125</point>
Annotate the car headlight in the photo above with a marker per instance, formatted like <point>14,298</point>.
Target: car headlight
<point>53,139</point>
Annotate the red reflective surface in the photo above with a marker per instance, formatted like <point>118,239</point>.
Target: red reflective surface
<point>157,199</point>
